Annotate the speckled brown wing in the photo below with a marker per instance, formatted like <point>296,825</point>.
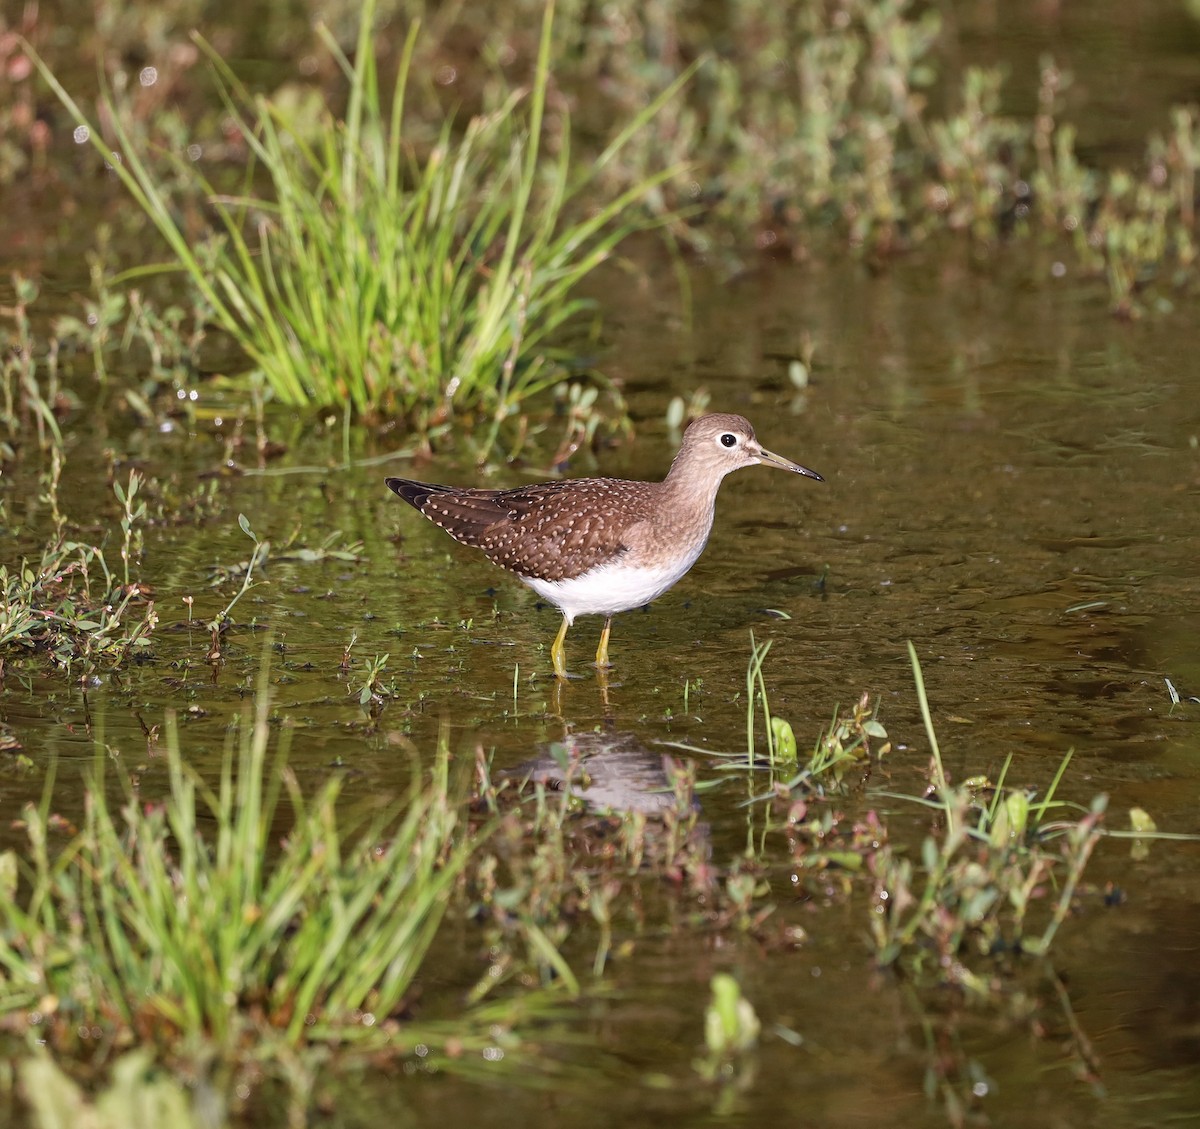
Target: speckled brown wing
<point>549,531</point>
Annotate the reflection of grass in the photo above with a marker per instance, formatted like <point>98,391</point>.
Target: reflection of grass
<point>390,284</point>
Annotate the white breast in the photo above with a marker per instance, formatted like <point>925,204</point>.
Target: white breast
<point>613,587</point>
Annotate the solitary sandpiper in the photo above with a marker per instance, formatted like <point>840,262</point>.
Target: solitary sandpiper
<point>598,546</point>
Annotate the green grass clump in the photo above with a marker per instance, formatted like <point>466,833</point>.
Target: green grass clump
<point>996,855</point>
<point>229,919</point>
<point>370,278</point>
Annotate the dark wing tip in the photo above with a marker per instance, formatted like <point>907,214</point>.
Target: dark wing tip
<point>414,493</point>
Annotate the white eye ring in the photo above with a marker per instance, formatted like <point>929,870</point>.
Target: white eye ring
<point>728,440</point>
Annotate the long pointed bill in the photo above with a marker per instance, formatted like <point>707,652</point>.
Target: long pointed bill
<point>772,459</point>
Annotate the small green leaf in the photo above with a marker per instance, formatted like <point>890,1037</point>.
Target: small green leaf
<point>785,740</point>
<point>1141,820</point>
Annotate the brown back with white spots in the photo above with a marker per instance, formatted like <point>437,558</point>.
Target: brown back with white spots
<point>550,531</point>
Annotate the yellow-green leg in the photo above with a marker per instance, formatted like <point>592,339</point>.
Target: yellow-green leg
<point>602,650</point>
<point>556,652</point>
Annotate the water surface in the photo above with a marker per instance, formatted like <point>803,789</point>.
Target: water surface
<point>1012,483</point>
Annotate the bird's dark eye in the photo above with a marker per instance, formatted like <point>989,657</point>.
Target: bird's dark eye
<point>729,439</point>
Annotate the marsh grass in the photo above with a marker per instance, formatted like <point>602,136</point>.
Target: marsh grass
<point>809,126</point>
<point>222,917</point>
<point>387,283</point>
<point>171,950</point>
<point>996,876</point>
<point>812,125</point>
<point>28,395</point>
<point>778,737</point>
<point>996,879</point>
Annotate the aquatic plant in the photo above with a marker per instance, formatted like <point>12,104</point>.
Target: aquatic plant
<point>996,854</point>
<point>248,911</point>
<point>386,283</point>
<point>993,858</point>
<point>808,125</point>
<point>69,603</point>
<point>731,1031</point>
<point>854,737</point>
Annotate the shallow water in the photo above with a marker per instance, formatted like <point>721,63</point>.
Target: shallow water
<point>1012,483</point>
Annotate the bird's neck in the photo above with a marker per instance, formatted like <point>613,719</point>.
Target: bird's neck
<point>689,501</point>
